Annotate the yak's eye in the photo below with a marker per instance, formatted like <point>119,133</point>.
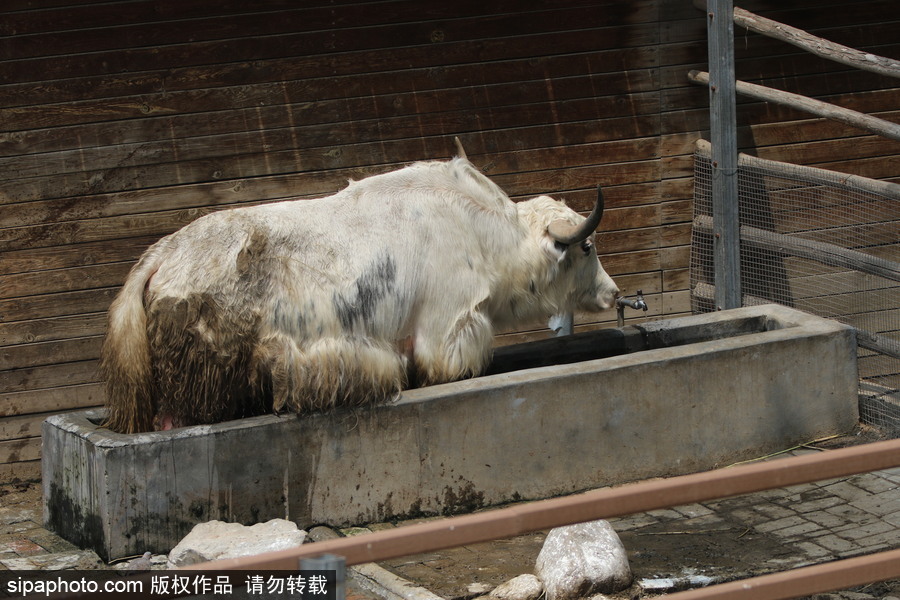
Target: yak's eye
<point>587,246</point>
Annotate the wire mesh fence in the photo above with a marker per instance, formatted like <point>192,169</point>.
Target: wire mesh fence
<point>822,242</point>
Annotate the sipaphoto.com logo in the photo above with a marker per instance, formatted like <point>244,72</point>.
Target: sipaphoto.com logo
<point>50,586</point>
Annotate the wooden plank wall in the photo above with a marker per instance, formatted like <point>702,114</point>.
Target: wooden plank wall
<point>121,121</point>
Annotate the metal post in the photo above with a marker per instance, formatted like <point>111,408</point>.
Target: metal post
<point>723,134</point>
<point>329,562</point>
<point>563,324</point>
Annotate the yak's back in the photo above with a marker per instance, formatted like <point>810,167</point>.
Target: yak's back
<point>456,181</point>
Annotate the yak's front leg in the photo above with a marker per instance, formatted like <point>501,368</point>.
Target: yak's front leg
<point>460,352</point>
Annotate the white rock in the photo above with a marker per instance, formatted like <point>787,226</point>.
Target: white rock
<point>523,587</point>
<point>584,559</point>
<point>478,588</point>
<point>216,539</point>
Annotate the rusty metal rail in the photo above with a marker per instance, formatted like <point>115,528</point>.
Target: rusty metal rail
<point>597,504</point>
<point>803,581</point>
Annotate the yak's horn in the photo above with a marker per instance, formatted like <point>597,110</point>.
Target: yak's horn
<point>566,233</point>
<point>459,149</point>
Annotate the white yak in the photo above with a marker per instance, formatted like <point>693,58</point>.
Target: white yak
<point>400,279</point>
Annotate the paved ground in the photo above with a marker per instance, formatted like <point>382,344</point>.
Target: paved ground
<point>713,541</point>
<point>669,549</point>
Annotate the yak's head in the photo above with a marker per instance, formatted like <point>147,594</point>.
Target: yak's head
<point>575,279</point>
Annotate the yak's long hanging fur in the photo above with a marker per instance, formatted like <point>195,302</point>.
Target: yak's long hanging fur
<point>125,357</point>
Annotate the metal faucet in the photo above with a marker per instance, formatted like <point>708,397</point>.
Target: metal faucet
<point>637,303</point>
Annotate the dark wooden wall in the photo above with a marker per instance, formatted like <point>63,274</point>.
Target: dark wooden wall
<point>123,121</point>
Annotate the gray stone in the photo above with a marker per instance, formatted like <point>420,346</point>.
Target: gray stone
<point>581,560</point>
<point>143,563</point>
<point>153,562</point>
<point>217,540</point>
<point>523,587</point>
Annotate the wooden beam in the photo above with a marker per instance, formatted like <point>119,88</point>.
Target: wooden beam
<point>822,252</point>
<point>824,176</point>
<point>877,342</point>
<point>603,503</point>
<point>723,133</point>
<point>810,105</point>
<point>813,44</point>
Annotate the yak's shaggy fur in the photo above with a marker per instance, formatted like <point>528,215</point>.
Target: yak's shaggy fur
<point>400,279</point>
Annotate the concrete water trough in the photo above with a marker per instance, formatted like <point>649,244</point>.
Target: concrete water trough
<point>670,397</point>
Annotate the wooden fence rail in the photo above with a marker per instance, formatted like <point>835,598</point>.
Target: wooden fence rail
<point>810,105</point>
<point>842,180</point>
<point>822,252</point>
<point>819,47</point>
<point>813,44</point>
